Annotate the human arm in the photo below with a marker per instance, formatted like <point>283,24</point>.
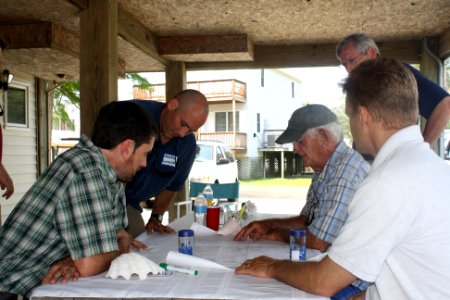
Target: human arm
<point>437,121</point>
<point>323,278</point>
<point>6,182</point>
<point>161,203</point>
<point>259,229</point>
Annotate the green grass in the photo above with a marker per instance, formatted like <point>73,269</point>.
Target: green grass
<point>297,181</point>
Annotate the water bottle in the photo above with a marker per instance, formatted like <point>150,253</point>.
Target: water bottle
<point>200,206</point>
<point>208,194</point>
<point>298,245</point>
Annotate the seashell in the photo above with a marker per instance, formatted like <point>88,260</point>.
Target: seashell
<point>129,264</point>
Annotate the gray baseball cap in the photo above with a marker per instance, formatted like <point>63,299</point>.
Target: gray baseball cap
<point>304,118</point>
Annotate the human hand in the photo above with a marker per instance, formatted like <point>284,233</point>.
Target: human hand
<point>255,230</point>
<point>6,182</point>
<point>259,267</point>
<point>154,225</point>
<point>124,240</point>
<point>138,245</point>
<point>64,269</point>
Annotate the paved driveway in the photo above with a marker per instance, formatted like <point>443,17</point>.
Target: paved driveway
<point>275,199</point>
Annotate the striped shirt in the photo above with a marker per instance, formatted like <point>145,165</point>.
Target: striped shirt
<point>75,208</point>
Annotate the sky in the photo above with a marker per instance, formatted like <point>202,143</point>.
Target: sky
<point>320,85</point>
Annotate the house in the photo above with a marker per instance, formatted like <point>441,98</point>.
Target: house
<point>98,41</point>
<point>248,110</point>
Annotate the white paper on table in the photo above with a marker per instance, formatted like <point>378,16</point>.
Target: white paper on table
<point>318,257</point>
<point>200,230</point>
<point>190,261</point>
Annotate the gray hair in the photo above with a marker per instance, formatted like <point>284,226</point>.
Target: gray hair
<point>361,41</point>
<point>334,129</point>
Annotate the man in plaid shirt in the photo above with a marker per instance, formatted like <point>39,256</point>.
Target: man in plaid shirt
<point>71,222</point>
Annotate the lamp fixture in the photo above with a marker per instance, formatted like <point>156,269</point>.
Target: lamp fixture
<point>6,79</point>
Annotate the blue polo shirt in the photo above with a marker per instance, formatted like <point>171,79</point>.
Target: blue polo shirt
<point>430,94</point>
<point>168,165</point>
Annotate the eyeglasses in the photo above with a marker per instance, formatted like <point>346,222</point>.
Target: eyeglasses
<point>352,61</point>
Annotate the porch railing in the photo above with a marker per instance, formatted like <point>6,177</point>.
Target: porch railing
<point>237,141</point>
<point>214,90</point>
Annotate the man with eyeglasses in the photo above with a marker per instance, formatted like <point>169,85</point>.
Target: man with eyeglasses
<point>434,101</point>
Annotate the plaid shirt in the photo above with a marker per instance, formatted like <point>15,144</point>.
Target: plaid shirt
<point>331,192</point>
<point>75,208</point>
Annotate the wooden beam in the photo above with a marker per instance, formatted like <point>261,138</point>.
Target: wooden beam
<point>40,35</point>
<point>81,4</point>
<point>236,47</point>
<point>98,60</point>
<point>309,56</point>
<point>444,45</point>
<point>138,35</point>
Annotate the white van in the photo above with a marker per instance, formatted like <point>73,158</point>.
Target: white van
<point>214,163</point>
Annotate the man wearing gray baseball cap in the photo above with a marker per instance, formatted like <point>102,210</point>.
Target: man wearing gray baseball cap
<point>338,169</point>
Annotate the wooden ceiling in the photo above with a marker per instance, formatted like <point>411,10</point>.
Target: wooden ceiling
<point>42,36</point>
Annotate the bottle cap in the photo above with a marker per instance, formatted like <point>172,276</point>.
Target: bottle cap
<point>298,232</point>
<point>185,233</point>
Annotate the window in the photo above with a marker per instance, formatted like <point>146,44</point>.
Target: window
<point>17,106</point>
<point>293,89</point>
<point>262,77</point>
<point>224,121</point>
<point>258,122</point>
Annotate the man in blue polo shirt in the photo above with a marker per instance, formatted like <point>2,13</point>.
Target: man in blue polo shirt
<point>434,101</point>
<point>169,163</point>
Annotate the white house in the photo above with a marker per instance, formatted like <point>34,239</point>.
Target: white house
<point>262,101</point>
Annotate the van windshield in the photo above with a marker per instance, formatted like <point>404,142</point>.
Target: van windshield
<point>204,153</point>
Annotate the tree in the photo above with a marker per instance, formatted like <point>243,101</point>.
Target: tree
<point>69,93</point>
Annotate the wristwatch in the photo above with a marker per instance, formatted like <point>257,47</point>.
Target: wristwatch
<point>158,217</point>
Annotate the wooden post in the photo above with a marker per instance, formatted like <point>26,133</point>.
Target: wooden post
<point>175,78</point>
<point>430,68</point>
<point>176,82</point>
<point>98,60</point>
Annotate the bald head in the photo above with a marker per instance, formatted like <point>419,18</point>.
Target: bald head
<point>185,113</point>
<point>189,99</point>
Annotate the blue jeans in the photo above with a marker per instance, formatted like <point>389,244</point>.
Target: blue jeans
<point>346,292</point>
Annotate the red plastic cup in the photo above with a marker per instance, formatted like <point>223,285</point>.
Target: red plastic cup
<point>212,217</point>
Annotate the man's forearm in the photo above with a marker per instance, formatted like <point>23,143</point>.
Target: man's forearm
<point>93,265</point>
<point>162,201</point>
<point>437,121</point>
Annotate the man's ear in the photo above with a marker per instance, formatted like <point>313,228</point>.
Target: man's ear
<point>364,115</point>
<point>372,52</point>
<point>323,138</point>
<point>127,149</point>
<point>173,104</point>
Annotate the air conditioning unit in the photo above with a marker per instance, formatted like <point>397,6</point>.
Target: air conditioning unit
<point>271,138</point>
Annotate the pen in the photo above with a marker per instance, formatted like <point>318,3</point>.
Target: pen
<point>179,270</point>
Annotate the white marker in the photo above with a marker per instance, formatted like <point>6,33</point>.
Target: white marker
<point>179,270</point>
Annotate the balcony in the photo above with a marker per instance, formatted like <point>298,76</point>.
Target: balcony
<point>216,91</point>
<point>236,141</point>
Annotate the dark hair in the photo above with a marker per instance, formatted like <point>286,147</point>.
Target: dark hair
<point>387,89</point>
<point>121,120</point>
<point>2,44</point>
